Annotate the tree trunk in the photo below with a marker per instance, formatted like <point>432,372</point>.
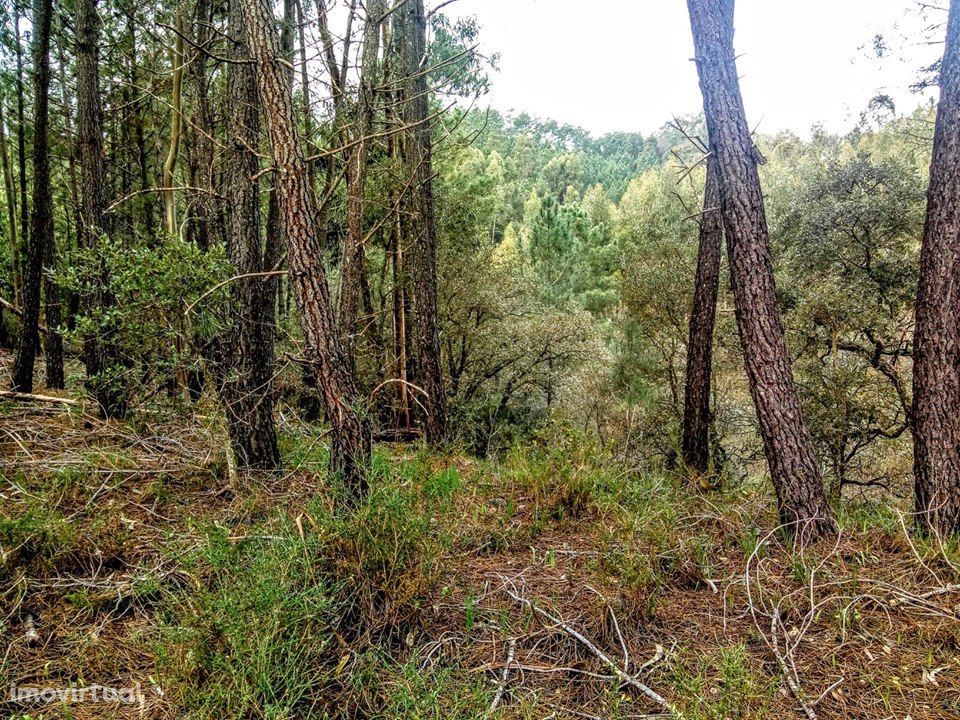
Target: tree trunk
<point>11,199</point>
<point>308,133</point>
<point>53,340</point>
<point>422,249</point>
<point>351,436</point>
<point>21,134</point>
<point>274,247</point>
<point>41,219</point>
<point>176,123</point>
<point>246,380</point>
<point>794,468</point>
<point>695,442</point>
<point>353,266</point>
<point>936,374</point>
<point>105,372</point>
<point>148,200</point>
<point>75,212</point>
<point>204,227</point>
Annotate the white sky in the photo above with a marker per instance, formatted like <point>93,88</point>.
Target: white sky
<point>624,64</point>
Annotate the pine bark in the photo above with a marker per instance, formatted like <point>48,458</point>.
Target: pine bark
<point>793,464</point>
<point>936,378</point>
<point>350,432</point>
<point>354,257</point>
<point>695,439</point>
<point>105,371</point>
<point>246,380</point>
<point>421,216</point>
<point>41,218</point>
<point>21,133</point>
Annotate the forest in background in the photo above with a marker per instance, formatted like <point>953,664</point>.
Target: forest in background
<point>333,394</point>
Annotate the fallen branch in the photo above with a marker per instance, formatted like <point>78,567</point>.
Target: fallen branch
<point>30,397</point>
<point>583,640</point>
<point>782,662</point>
<point>504,677</point>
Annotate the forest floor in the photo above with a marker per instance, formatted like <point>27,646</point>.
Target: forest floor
<point>543,585</point>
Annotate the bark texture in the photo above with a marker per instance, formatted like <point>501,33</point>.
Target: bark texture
<point>246,378</point>
<point>21,132</point>
<point>421,218</point>
<point>105,373</point>
<point>936,374</point>
<point>695,441</point>
<point>350,431</point>
<point>41,218</point>
<point>794,468</point>
<point>354,256</point>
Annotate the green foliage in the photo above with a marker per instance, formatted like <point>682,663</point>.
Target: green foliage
<point>152,287</point>
<point>849,234</point>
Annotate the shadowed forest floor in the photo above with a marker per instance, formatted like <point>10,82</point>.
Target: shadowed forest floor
<point>131,554</point>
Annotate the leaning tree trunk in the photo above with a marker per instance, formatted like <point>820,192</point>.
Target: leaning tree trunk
<point>794,468</point>
<point>936,374</point>
<point>105,371</point>
<point>421,217</point>
<point>41,218</point>
<point>695,442</point>
<point>351,437</point>
<point>246,376</point>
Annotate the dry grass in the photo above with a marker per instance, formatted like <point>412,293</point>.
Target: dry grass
<point>125,551</point>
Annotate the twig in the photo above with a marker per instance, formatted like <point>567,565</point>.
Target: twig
<point>30,397</point>
<point>782,662</point>
<point>621,675</point>
<point>504,677</point>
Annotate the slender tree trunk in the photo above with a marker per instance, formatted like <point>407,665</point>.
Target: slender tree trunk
<point>274,246</point>
<point>73,300</point>
<point>695,442</point>
<point>176,123</point>
<point>246,380</point>
<point>204,228</point>
<point>794,468</point>
<point>137,112</point>
<point>351,436</point>
<point>11,198</point>
<point>41,220</point>
<point>21,133</point>
<point>5,340</point>
<point>353,266</point>
<point>308,133</point>
<point>105,371</point>
<point>422,248</point>
<point>936,374</point>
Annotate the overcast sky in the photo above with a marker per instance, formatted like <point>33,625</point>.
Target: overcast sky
<point>625,64</point>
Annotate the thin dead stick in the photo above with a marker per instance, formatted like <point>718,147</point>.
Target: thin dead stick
<point>18,312</point>
<point>658,657</point>
<point>504,677</point>
<point>826,692</point>
<point>29,397</point>
<point>621,675</point>
<point>945,590</point>
<point>208,293</point>
<point>782,662</point>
